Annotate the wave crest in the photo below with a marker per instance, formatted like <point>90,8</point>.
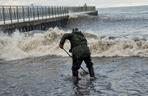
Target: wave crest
<point>24,45</point>
<point>119,47</point>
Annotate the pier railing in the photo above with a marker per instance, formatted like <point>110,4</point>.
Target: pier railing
<point>16,14</point>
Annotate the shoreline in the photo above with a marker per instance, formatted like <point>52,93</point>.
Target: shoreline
<point>61,56</point>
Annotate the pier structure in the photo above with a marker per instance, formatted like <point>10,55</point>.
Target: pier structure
<point>27,18</point>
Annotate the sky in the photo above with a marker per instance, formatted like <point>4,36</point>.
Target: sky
<point>97,3</point>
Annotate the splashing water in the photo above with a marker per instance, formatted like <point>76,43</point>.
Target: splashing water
<point>24,45</point>
<point>115,32</point>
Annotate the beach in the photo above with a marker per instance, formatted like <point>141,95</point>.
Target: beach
<point>51,76</point>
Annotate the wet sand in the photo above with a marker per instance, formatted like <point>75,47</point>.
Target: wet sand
<point>51,76</point>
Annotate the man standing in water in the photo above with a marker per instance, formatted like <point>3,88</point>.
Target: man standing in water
<point>80,52</point>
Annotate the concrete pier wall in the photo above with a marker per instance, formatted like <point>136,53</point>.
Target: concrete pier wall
<point>32,18</point>
<point>35,25</point>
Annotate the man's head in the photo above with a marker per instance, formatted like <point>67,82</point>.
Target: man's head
<point>76,29</point>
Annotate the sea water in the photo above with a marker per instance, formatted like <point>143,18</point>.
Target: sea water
<point>120,31</point>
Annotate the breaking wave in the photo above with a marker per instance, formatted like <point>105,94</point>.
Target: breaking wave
<point>25,45</point>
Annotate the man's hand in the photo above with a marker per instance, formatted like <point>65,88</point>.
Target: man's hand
<point>70,50</point>
<point>61,46</point>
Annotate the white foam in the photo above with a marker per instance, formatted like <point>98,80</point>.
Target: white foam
<point>23,45</point>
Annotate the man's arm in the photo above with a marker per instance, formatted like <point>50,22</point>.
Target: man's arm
<point>65,36</point>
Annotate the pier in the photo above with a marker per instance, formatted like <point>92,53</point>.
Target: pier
<point>27,18</point>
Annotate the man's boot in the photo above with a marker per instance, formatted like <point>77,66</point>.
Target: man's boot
<point>75,76</point>
<point>91,73</point>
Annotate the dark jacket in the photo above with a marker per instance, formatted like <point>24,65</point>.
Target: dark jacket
<point>78,42</point>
